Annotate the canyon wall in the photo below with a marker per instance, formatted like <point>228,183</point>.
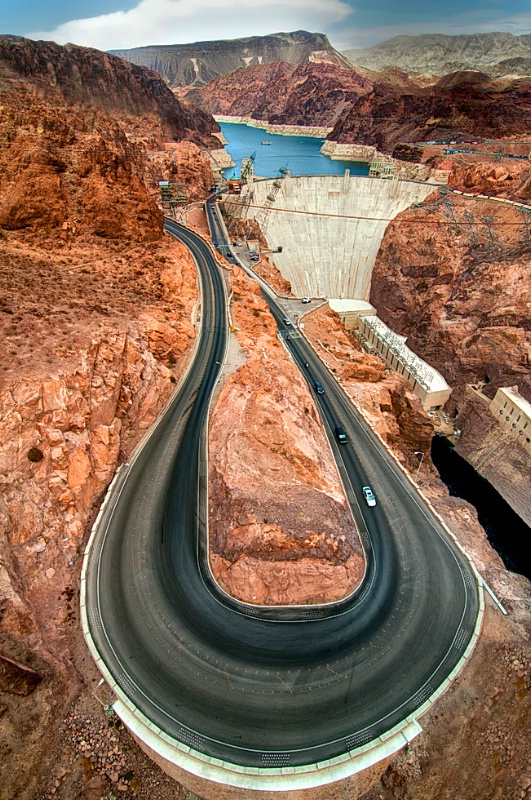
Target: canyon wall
<point>95,322</point>
<point>314,94</point>
<point>459,104</point>
<point>453,276</point>
<point>187,65</point>
<point>102,81</point>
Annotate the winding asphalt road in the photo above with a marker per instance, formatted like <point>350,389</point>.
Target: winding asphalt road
<point>269,688</point>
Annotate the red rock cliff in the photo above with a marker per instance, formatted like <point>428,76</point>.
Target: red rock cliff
<point>102,81</point>
<point>281,531</point>
<point>284,94</point>
<point>461,103</point>
<point>459,287</point>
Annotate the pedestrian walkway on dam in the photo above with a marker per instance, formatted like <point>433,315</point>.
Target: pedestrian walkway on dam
<point>324,252</point>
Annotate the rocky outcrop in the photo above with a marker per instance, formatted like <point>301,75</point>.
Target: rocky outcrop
<point>438,54</point>
<point>313,94</point>
<point>102,81</point>
<point>459,105</point>
<point>95,324</point>
<point>511,181</point>
<point>458,287</point>
<point>91,354</point>
<point>188,65</point>
<point>287,538</point>
<point>16,678</point>
<point>61,170</point>
<point>75,169</point>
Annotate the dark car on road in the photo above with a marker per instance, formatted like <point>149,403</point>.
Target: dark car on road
<point>341,436</point>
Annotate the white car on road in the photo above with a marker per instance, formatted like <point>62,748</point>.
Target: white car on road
<point>368,494</point>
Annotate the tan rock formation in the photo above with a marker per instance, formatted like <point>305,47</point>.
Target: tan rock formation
<point>280,528</point>
<point>508,179</point>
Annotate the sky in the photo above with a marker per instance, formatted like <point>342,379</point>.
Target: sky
<point>115,24</point>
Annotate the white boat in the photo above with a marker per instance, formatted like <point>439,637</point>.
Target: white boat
<point>265,142</point>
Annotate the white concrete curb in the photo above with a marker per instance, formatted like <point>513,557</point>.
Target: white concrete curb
<point>276,779</point>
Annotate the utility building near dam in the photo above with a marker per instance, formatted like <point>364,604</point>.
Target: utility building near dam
<point>330,228</point>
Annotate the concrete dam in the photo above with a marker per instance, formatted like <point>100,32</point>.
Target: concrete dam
<point>330,228</point>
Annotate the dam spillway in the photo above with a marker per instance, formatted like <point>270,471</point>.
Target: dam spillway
<point>330,228</point>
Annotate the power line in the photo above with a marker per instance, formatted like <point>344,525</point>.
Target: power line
<point>467,223</point>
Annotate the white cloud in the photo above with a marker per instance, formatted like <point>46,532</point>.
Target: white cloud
<point>181,21</point>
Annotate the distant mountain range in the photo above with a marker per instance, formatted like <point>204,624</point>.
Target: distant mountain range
<point>194,65</point>
<point>436,54</point>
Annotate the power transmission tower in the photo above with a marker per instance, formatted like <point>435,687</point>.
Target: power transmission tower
<point>172,195</point>
<point>471,227</point>
<point>263,214</point>
<point>525,229</point>
<point>491,241</point>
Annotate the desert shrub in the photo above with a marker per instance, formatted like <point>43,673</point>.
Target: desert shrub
<point>35,455</point>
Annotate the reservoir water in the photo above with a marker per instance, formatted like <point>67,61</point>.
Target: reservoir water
<point>300,154</point>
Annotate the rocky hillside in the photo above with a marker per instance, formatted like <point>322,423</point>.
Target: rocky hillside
<point>95,324</point>
<point>437,54</point>
<point>188,65</point>
<point>458,286</point>
<point>386,110</point>
<point>460,104</point>
<point>313,94</point>
<point>101,81</point>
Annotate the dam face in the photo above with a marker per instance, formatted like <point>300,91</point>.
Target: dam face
<point>325,251</point>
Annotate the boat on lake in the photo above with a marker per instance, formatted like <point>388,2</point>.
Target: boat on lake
<point>265,142</point>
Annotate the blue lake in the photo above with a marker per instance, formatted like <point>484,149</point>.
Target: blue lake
<point>300,154</point>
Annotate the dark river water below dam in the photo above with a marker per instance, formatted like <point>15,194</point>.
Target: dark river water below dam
<point>506,531</point>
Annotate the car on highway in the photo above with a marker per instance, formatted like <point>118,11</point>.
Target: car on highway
<point>368,494</point>
<point>286,321</point>
<point>319,388</point>
<point>306,299</point>
<point>341,436</point>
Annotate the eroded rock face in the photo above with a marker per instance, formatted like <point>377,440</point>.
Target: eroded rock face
<point>495,180</point>
<point>280,528</point>
<point>390,115</point>
<point>313,94</point>
<point>80,386</point>
<point>196,64</point>
<point>63,170</point>
<point>459,288</point>
<point>81,410</point>
<point>103,81</point>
